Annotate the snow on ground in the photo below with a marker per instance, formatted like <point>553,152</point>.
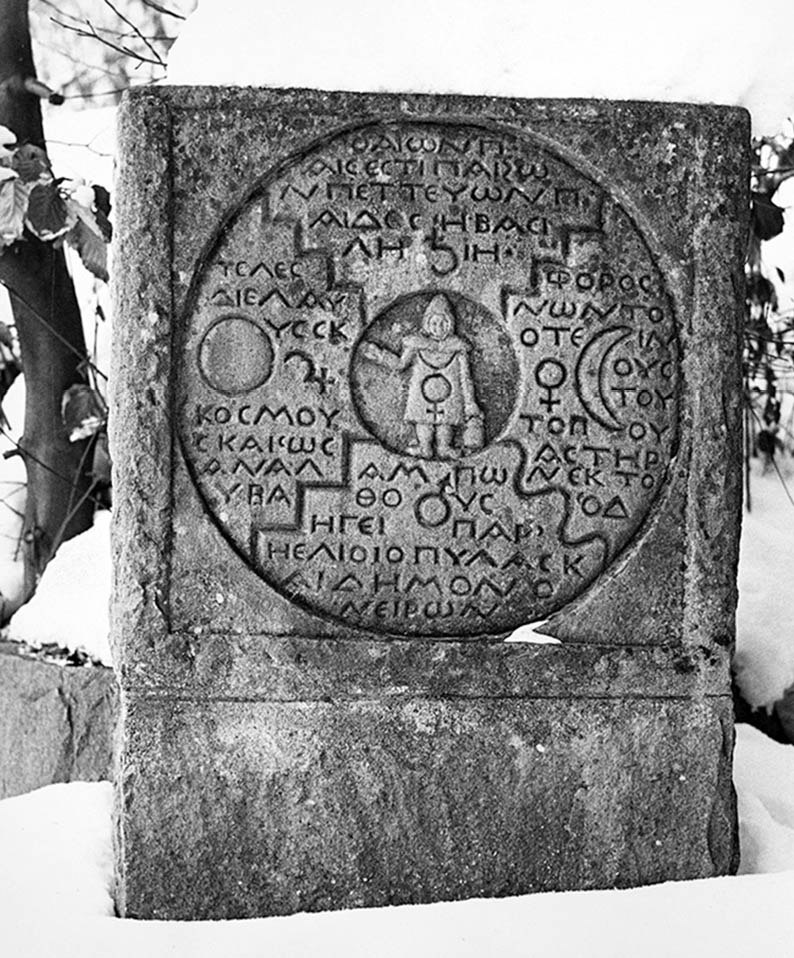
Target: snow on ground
<point>764,660</point>
<point>722,51</point>
<point>55,897</point>
<point>70,607</point>
<point>763,773</point>
<point>55,851</point>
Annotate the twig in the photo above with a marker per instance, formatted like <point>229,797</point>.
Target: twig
<point>34,312</point>
<point>777,468</point>
<point>12,509</point>
<point>116,90</point>
<point>136,31</point>
<point>26,454</point>
<point>161,9</point>
<point>90,96</point>
<point>81,146</point>
<point>73,59</point>
<point>126,51</point>
<point>72,507</point>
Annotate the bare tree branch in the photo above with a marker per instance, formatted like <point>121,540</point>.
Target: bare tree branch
<point>26,453</point>
<point>136,31</point>
<point>114,92</point>
<point>82,146</point>
<point>74,59</point>
<point>94,34</point>
<point>48,325</point>
<point>161,9</point>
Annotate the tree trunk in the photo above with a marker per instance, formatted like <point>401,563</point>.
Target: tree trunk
<point>52,344</point>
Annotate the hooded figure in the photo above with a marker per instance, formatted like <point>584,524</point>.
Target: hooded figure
<point>441,396</point>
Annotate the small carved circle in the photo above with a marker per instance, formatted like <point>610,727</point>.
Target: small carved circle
<point>235,356</point>
<point>550,374</point>
<point>436,388</point>
<point>431,510</point>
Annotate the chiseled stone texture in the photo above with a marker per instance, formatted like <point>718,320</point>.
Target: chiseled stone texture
<point>393,376</point>
<point>328,806</point>
<point>56,723</point>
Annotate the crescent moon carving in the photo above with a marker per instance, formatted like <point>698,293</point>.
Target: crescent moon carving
<point>589,375</point>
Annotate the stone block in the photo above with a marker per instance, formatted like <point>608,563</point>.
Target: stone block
<point>394,376</point>
<point>57,723</point>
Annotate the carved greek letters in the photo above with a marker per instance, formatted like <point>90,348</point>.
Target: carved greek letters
<point>431,379</point>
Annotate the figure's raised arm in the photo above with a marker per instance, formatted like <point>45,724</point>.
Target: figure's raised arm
<point>407,356</point>
<point>380,356</point>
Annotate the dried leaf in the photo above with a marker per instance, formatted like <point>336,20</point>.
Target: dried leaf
<point>48,215</point>
<point>14,198</point>
<point>10,368</point>
<point>104,225</point>
<point>767,217</point>
<point>101,466</point>
<point>31,163</point>
<point>82,411</point>
<point>83,213</point>
<point>102,199</point>
<point>760,290</point>
<point>91,248</point>
<point>6,337</point>
<point>102,209</point>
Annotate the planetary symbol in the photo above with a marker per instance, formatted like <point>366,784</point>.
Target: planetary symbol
<point>235,356</point>
<point>314,375</point>
<point>550,374</point>
<point>589,375</point>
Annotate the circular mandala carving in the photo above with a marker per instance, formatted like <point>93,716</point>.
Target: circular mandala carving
<point>431,378</point>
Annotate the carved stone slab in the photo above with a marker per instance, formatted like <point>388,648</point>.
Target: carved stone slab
<point>396,375</point>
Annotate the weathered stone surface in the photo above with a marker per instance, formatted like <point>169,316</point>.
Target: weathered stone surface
<point>394,376</point>
<point>56,723</point>
<point>350,804</point>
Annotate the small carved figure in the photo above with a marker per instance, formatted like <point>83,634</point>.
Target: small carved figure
<point>441,403</point>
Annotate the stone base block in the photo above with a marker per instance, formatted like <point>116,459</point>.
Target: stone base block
<point>234,809</point>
